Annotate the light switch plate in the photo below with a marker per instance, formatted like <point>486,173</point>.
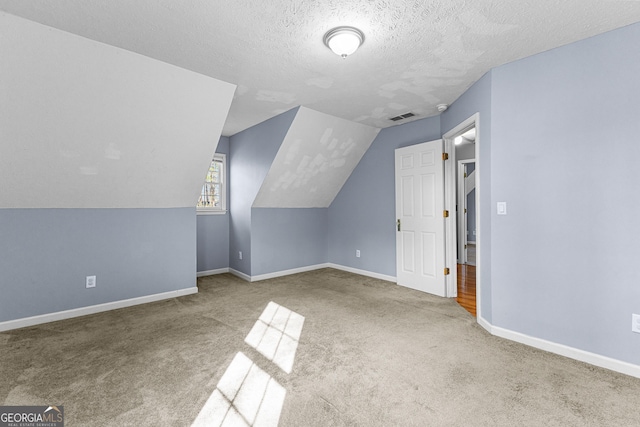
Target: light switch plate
<point>502,208</point>
<point>635,323</point>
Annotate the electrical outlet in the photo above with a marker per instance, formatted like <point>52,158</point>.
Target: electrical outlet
<point>239,254</point>
<point>357,253</point>
<point>91,282</point>
<point>635,323</point>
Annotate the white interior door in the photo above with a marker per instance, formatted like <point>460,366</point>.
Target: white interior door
<point>420,251</point>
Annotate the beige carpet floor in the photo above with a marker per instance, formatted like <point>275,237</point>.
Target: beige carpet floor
<point>357,352</point>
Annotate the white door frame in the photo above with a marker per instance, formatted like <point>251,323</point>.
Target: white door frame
<point>450,204</point>
<point>451,256</point>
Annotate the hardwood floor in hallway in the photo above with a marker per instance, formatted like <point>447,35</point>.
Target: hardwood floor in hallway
<point>467,287</point>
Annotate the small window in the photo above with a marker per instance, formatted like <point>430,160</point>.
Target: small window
<point>213,195</point>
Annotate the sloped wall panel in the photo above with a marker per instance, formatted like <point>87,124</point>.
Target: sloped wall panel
<point>87,125</point>
<point>315,159</point>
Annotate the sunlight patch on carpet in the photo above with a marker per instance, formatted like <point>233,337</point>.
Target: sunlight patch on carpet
<point>245,396</point>
<point>276,334</point>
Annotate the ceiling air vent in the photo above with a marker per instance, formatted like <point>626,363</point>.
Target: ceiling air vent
<point>402,117</point>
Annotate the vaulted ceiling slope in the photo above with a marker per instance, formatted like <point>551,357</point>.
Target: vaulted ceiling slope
<point>314,161</point>
<point>416,53</point>
<point>87,125</point>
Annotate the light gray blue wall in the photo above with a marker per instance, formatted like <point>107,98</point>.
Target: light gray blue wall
<point>362,216</point>
<point>213,230</point>
<point>46,254</point>
<point>471,206</point>
<point>564,155</point>
<point>284,239</point>
<point>251,153</point>
<point>212,242</point>
<point>478,100</point>
<point>471,215</point>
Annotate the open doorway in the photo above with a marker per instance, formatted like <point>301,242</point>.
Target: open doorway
<point>465,196</point>
<point>466,212</point>
<point>463,234</point>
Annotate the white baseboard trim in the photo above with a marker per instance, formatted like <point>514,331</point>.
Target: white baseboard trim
<point>287,272</point>
<point>363,272</point>
<point>563,350</point>
<point>486,325</point>
<point>212,272</point>
<point>240,274</point>
<point>92,309</point>
<point>310,268</point>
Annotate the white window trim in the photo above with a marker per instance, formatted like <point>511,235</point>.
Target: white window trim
<point>223,209</point>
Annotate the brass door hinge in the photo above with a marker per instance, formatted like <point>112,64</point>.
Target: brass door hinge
<point>445,156</point>
<point>445,214</point>
<point>446,271</point>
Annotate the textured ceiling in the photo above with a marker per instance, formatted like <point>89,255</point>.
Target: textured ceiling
<point>417,53</point>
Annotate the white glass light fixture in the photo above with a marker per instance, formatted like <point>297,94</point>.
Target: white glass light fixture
<point>344,41</point>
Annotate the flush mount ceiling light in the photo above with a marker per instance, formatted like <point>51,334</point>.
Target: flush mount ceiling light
<point>344,41</point>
